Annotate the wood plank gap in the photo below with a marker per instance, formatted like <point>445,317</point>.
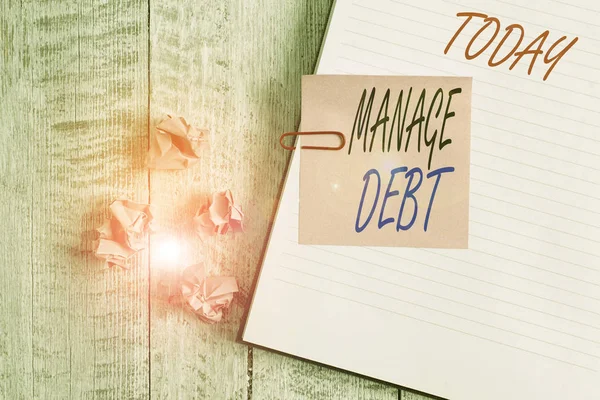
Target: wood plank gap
<point>249,365</point>
<point>148,30</point>
<point>31,227</point>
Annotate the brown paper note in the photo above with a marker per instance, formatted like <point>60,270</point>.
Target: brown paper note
<point>402,178</point>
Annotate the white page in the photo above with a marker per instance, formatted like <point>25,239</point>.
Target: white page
<point>517,316</point>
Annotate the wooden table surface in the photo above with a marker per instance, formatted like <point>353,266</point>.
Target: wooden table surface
<point>83,83</point>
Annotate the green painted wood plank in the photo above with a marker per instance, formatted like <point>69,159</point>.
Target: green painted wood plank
<point>16,359</point>
<point>281,377</point>
<point>75,138</point>
<point>192,75</point>
<point>296,37</point>
<point>233,67</point>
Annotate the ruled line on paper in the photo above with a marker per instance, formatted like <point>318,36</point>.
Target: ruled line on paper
<point>537,139</point>
<point>434,324</point>
<point>533,253</point>
<point>525,36</point>
<point>545,12</point>
<point>576,6</point>
<point>457,46</point>
<point>479,10</point>
<point>456,287</point>
<point>440,311</point>
<point>537,282</point>
<point>478,39</point>
<point>540,240</point>
<point>546,112</point>
<point>453,74</point>
<point>495,14</point>
<point>432,308</point>
<point>525,264</point>
<point>474,65</point>
<point>517,276</point>
<point>536,225</point>
<point>530,208</point>
<point>473,278</point>
<point>521,192</point>
<point>562,31</point>
<point>549,271</point>
<point>541,183</point>
<point>550,157</point>
<point>522,249</point>
<point>586,282</point>
<point>405,32</point>
<point>492,312</point>
<point>536,167</point>
<point>536,124</point>
<point>479,266</point>
<point>472,235</point>
<point>397,58</point>
<point>388,13</point>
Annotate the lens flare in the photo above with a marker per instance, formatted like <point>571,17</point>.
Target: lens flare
<point>168,252</point>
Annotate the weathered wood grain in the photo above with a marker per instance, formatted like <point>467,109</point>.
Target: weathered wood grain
<point>412,396</point>
<point>233,67</point>
<point>16,359</point>
<point>282,377</point>
<point>191,60</point>
<point>74,136</point>
<point>74,113</point>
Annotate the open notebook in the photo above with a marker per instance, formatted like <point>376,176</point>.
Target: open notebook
<point>517,315</point>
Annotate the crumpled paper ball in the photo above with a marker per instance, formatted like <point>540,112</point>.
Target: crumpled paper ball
<point>219,216</point>
<point>125,233</point>
<point>207,296</point>
<point>171,146</point>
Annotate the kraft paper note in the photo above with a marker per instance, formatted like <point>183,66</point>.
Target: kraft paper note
<point>402,178</point>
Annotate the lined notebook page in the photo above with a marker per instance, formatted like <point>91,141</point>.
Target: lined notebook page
<point>517,316</point>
